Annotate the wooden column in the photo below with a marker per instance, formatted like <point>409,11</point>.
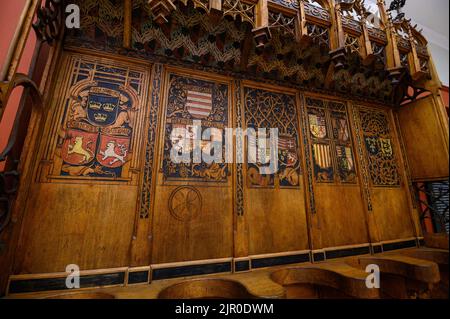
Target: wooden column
<point>215,5</point>
<point>261,31</point>
<point>394,64</point>
<point>416,68</point>
<point>367,44</point>
<point>301,31</point>
<point>337,36</point>
<point>127,17</point>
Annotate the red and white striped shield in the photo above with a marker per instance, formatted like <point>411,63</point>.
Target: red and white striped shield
<point>199,103</point>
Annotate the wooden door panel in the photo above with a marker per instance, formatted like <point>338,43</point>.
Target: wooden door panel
<point>193,214</point>
<point>342,216</point>
<point>82,205</point>
<point>339,215</point>
<point>389,193</point>
<point>275,204</point>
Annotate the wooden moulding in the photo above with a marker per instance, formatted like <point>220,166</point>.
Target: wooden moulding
<point>57,281</point>
<point>19,284</point>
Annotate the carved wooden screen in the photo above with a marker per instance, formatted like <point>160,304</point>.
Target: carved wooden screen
<point>379,144</point>
<point>388,194</point>
<point>331,138</point>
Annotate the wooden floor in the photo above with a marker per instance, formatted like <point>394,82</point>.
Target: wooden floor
<point>406,274</point>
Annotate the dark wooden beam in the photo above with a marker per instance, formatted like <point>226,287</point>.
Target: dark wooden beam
<point>127,14</point>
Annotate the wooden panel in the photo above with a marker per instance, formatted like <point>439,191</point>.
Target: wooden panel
<point>392,213</point>
<point>82,205</point>
<point>275,205</point>
<point>425,135</point>
<point>342,216</point>
<point>339,217</point>
<point>389,194</point>
<point>193,216</point>
<point>277,220</point>
<point>65,225</point>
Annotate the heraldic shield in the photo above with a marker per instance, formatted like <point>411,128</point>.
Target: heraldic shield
<point>113,151</point>
<point>317,126</point>
<point>79,147</point>
<point>99,130</point>
<point>103,106</point>
<point>386,147</point>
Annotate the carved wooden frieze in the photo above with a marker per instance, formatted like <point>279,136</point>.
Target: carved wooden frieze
<point>298,43</point>
<point>317,12</point>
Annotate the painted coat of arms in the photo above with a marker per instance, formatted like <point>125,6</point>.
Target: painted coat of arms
<point>98,132</point>
<point>269,110</point>
<point>383,166</point>
<point>341,131</point>
<point>192,101</point>
<point>317,125</point>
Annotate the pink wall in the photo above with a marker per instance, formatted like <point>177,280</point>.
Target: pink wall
<point>10,13</point>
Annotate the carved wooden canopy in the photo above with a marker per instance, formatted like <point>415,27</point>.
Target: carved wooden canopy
<point>327,45</point>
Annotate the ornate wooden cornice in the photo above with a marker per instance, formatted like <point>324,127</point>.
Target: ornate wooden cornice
<point>344,24</point>
<point>327,45</point>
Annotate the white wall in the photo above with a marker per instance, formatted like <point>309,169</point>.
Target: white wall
<point>433,17</point>
<point>441,60</point>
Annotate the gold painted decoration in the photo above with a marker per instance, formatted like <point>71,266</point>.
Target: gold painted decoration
<point>101,114</point>
<point>323,165</point>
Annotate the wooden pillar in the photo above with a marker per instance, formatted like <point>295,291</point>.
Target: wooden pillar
<point>301,31</point>
<point>394,64</point>
<point>127,31</point>
<point>367,44</point>
<point>416,68</point>
<point>337,36</point>
<point>261,31</point>
<point>215,5</point>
